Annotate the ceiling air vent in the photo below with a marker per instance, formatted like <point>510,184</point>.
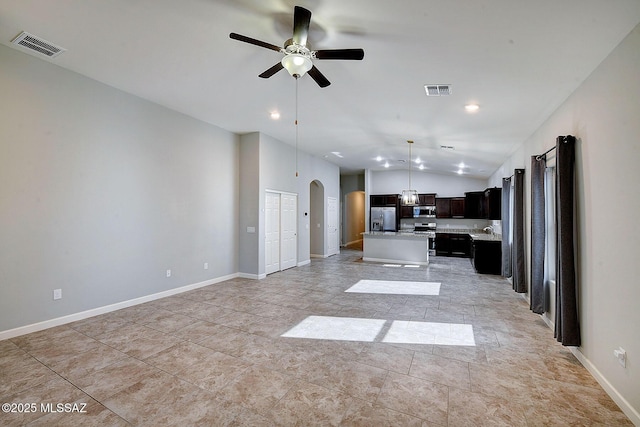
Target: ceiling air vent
<point>38,45</point>
<point>438,90</point>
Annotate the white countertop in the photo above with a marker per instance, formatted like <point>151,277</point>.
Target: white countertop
<point>474,234</point>
<point>396,234</point>
<point>487,237</point>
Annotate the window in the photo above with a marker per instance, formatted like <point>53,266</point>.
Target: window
<point>550,224</point>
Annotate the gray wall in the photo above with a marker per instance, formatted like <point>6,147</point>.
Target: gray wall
<point>603,114</point>
<point>102,192</point>
<point>268,164</point>
<point>249,200</point>
<point>349,183</point>
<point>394,181</point>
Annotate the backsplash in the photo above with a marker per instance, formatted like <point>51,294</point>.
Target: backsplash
<point>449,223</point>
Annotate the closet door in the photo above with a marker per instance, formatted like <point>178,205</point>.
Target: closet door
<point>288,231</point>
<point>272,232</point>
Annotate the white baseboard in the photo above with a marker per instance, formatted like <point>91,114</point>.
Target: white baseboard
<point>252,276</point>
<point>550,323</point>
<point>624,405</point>
<point>301,263</point>
<point>319,256</point>
<point>628,410</point>
<point>394,261</point>
<point>353,242</point>
<point>35,327</point>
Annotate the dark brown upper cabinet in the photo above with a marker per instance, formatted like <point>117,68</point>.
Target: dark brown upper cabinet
<point>457,207</point>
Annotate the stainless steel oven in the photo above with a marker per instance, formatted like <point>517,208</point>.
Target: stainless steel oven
<point>429,229</point>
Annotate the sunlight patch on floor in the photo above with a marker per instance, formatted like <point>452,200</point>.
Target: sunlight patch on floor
<point>366,330</point>
<point>395,287</point>
<point>411,332</point>
<point>336,328</point>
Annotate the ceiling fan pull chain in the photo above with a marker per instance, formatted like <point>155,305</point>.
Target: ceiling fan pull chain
<point>296,123</point>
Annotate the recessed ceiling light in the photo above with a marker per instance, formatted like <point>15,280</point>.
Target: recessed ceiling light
<point>378,159</point>
<point>337,154</point>
<point>461,165</point>
<point>386,164</point>
<point>460,171</point>
<point>471,108</point>
<point>275,115</point>
<point>421,167</point>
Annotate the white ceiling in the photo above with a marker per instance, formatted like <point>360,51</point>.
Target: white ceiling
<point>519,60</point>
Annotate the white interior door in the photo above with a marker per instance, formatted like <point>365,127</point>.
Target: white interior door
<point>332,226</point>
<point>288,231</point>
<point>272,232</point>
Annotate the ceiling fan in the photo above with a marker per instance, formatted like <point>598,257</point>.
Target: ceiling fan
<point>297,54</point>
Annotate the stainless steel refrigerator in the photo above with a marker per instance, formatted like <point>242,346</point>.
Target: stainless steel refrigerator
<point>383,219</point>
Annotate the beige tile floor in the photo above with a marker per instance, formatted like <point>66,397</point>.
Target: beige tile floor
<point>215,357</point>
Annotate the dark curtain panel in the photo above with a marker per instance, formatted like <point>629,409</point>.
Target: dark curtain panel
<point>506,227</point>
<point>538,164</point>
<point>518,272</point>
<point>567,325</point>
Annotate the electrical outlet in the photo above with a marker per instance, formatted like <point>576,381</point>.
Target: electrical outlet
<point>57,294</point>
<point>168,273</point>
<point>206,265</point>
<point>621,355</point>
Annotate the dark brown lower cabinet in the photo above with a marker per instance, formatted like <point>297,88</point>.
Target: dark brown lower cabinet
<point>453,244</point>
<point>443,244</point>
<point>486,256</point>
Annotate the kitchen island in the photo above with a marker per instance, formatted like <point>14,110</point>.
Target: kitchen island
<point>396,247</point>
<point>486,253</point>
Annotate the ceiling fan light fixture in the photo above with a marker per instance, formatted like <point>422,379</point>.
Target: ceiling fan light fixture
<point>297,64</point>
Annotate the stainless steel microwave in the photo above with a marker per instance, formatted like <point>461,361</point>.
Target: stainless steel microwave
<point>424,211</point>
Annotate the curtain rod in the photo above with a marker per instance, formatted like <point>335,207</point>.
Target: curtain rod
<point>539,156</point>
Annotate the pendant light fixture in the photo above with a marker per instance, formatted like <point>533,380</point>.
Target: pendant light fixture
<point>409,197</point>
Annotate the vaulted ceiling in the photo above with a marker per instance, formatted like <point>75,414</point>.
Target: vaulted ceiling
<point>517,60</point>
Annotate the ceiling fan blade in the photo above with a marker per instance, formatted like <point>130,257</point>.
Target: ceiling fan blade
<point>301,20</point>
<point>318,77</point>
<point>255,42</point>
<point>356,54</point>
<point>271,71</point>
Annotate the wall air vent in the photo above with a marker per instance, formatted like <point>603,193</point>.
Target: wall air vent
<point>37,45</point>
<point>438,90</point>
<point>448,147</point>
